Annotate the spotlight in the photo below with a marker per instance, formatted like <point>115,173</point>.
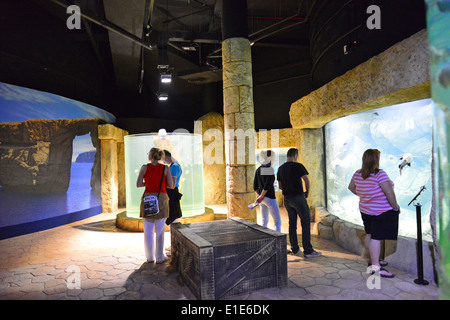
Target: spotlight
<point>166,77</point>
<point>162,96</point>
<point>190,47</point>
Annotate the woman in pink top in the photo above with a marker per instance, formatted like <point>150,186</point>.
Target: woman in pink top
<point>378,206</point>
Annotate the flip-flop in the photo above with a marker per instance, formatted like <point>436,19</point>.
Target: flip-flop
<point>382,263</point>
<point>384,275</point>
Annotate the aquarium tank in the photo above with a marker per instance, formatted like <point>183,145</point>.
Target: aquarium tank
<point>186,148</point>
<point>400,132</point>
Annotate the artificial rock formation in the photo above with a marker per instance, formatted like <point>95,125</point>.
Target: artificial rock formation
<point>36,155</point>
<point>210,126</point>
<point>112,167</point>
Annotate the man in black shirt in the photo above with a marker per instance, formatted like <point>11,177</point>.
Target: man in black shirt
<point>290,176</point>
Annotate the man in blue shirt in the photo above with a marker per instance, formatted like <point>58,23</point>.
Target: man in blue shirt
<point>174,194</point>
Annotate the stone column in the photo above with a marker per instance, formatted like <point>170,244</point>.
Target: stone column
<point>311,155</point>
<point>238,111</point>
<point>112,167</point>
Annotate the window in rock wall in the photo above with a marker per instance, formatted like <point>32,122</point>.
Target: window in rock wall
<point>396,131</point>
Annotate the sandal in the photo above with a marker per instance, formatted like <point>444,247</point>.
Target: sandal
<point>384,275</point>
<point>382,263</point>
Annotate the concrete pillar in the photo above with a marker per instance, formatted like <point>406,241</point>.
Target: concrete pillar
<point>238,111</point>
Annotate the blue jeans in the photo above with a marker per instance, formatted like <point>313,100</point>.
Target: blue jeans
<point>298,205</point>
<point>270,205</point>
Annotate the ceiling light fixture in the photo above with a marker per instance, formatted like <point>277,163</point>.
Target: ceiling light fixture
<point>166,77</point>
<point>190,47</point>
<point>162,96</point>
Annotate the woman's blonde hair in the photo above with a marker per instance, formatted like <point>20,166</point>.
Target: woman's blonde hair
<point>155,154</point>
<point>370,162</point>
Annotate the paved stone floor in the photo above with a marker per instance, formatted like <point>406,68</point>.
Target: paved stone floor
<point>111,265</point>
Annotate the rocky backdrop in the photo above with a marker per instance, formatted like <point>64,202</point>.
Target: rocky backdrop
<point>36,155</point>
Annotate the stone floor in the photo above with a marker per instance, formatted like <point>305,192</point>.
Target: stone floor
<point>110,264</point>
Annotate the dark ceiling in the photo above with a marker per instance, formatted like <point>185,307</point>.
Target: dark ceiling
<point>297,47</point>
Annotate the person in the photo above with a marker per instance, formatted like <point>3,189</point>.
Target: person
<point>290,176</point>
<point>150,177</point>
<point>265,192</point>
<point>174,194</point>
<point>378,206</point>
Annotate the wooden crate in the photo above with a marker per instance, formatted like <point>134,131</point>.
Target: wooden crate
<point>219,259</point>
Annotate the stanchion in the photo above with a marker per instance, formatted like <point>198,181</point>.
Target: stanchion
<point>418,206</point>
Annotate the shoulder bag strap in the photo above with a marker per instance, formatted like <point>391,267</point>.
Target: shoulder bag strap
<point>160,184</point>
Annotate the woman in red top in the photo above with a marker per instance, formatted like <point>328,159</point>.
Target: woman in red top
<point>150,178</point>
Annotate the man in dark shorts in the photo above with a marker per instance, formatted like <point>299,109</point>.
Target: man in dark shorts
<point>290,176</point>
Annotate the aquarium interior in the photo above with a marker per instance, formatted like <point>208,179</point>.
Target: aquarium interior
<point>186,148</point>
<point>396,131</point>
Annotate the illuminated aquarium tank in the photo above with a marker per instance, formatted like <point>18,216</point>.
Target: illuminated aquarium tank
<point>397,131</point>
<point>186,148</point>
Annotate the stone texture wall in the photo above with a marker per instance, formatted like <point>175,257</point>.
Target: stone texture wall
<point>239,126</point>
<point>311,155</point>
<point>282,138</point>
<point>112,167</point>
<point>211,127</point>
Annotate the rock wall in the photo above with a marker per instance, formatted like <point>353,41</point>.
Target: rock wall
<point>112,167</point>
<point>214,168</point>
<point>36,155</point>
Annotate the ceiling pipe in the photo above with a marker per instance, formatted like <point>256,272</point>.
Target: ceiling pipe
<point>279,22</point>
<point>252,42</point>
<point>329,20</point>
<point>287,27</point>
<point>146,30</point>
<point>109,26</point>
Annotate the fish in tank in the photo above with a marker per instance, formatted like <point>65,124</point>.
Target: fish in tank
<point>403,134</point>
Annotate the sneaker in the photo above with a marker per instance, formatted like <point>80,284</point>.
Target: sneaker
<point>313,254</point>
<point>298,253</point>
<point>163,260</point>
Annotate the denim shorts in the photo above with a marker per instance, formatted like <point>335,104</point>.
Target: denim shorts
<point>383,226</point>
